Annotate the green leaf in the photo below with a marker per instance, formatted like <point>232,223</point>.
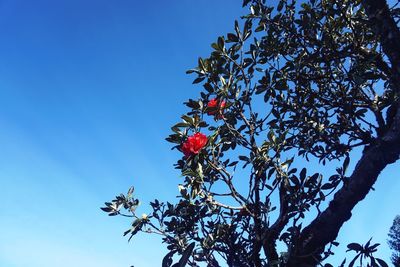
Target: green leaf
<point>373,247</point>
<point>215,46</point>
<point>232,37</point>
<point>270,172</point>
<point>186,254</point>
<point>107,209</point>
<point>354,260</point>
<point>354,246</point>
<point>281,85</point>
<point>381,262</point>
<point>303,174</point>
<point>208,87</point>
<point>188,119</point>
<point>280,5</point>
<point>167,261</point>
<point>180,124</point>
<point>198,80</point>
<point>244,158</point>
<point>130,191</point>
<point>346,163</point>
<point>327,186</point>
<point>221,43</point>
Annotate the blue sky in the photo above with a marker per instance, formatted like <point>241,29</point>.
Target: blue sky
<point>88,91</point>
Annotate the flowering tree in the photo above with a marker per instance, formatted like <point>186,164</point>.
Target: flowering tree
<point>294,85</point>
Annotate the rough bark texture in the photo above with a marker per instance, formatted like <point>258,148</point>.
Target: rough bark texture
<point>385,150</point>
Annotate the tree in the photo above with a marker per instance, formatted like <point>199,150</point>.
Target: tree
<point>294,85</point>
<point>394,241</point>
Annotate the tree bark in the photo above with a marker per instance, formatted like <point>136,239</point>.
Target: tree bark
<point>325,228</point>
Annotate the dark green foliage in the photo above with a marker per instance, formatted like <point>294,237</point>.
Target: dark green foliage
<point>364,253</point>
<point>302,81</point>
<point>394,241</point>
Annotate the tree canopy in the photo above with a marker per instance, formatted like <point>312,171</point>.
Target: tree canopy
<point>293,85</point>
<point>394,241</point>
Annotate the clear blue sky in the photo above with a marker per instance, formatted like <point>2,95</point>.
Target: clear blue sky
<point>88,91</point>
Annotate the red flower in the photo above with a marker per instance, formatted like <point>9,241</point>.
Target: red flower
<point>194,144</point>
<point>215,107</point>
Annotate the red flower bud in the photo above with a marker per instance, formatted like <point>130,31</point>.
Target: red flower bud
<point>194,144</point>
<point>215,107</point>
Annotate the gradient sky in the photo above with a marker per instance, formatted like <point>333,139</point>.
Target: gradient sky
<point>88,92</point>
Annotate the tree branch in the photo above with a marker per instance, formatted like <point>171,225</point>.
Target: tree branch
<point>272,234</point>
<point>324,229</point>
